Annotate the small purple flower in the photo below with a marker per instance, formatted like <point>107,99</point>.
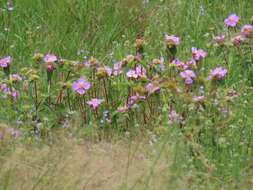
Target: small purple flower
<point>188,76</point>
<point>50,58</point>
<point>5,62</point>
<point>131,74</point>
<point>81,86</point>
<point>218,73</point>
<point>172,40</point>
<point>247,31</point>
<point>232,20</point>
<point>198,54</point>
<point>94,103</point>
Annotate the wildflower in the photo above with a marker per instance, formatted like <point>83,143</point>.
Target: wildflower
<point>108,71</point>
<point>172,41</point>
<point>50,67</point>
<point>190,64</point>
<point>15,77</point>
<point>50,58</point>
<point>94,103</point>
<point>232,20</point>
<point>138,72</point>
<point>135,98</point>
<point>247,31</point>
<point>179,64</point>
<point>174,116</point>
<point>218,73</point>
<point>117,68</point>
<point>237,40</point>
<point>15,133</point>
<point>219,40</point>
<point>152,87</point>
<point>81,86</point>
<point>198,54</point>
<point>188,76</point>
<point>199,99</point>
<point>5,62</point>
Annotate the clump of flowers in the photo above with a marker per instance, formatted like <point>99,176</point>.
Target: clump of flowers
<point>198,54</point>
<point>232,20</point>
<point>188,76</point>
<point>94,103</point>
<point>218,74</point>
<point>138,72</point>
<point>81,86</point>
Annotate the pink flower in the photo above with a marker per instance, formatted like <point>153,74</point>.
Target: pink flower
<point>50,67</point>
<point>218,73</point>
<point>5,62</point>
<point>188,76</point>
<point>81,86</point>
<point>172,40</point>
<point>94,103</point>
<point>220,40</point>
<point>198,54</point>
<point>50,58</point>
<point>232,20</point>
<point>247,31</point>
<point>131,74</point>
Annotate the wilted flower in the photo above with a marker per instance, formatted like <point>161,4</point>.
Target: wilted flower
<point>50,58</point>
<point>217,74</point>
<point>247,31</point>
<point>219,40</point>
<point>232,20</point>
<point>188,76</point>
<point>237,40</point>
<point>5,62</point>
<point>94,103</point>
<point>198,54</point>
<point>152,87</point>
<point>172,40</point>
<point>81,86</point>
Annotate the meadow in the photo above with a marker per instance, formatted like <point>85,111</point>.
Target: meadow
<point>126,94</point>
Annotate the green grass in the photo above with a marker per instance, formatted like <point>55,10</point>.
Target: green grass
<point>208,151</point>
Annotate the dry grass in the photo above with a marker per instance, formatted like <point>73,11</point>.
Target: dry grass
<point>69,165</point>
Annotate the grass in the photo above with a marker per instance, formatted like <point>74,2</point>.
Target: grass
<point>142,148</point>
